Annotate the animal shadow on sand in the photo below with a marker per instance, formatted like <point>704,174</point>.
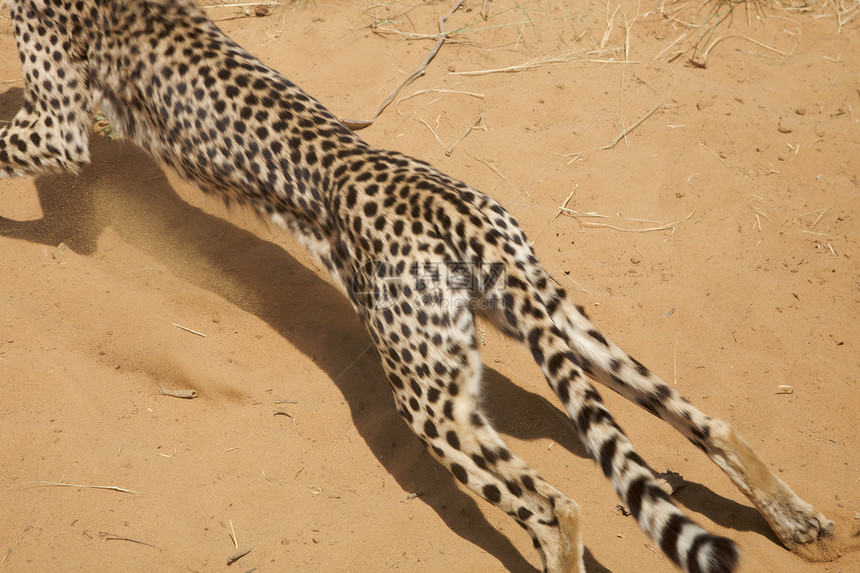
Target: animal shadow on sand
<point>312,315</point>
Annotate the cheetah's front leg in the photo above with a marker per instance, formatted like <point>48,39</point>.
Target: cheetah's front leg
<point>51,131</point>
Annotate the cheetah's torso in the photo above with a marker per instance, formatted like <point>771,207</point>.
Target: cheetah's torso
<point>417,252</point>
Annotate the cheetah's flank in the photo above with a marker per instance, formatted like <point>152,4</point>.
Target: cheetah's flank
<point>418,254</point>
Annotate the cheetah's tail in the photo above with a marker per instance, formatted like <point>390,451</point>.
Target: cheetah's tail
<point>531,318</point>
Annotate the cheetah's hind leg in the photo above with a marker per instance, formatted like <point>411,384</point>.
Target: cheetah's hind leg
<point>434,372</point>
<point>798,525</point>
<point>51,131</point>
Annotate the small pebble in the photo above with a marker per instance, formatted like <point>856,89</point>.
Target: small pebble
<point>785,126</point>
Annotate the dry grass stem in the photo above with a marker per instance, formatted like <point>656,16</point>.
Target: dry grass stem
<point>757,210</point>
<point>702,62</point>
<point>525,13</point>
<point>658,227</point>
<point>433,131</point>
<point>670,14</point>
<point>609,21</point>
<point>579,286</point>
<point>639,121</point>
<point>163,455</point>
<point>621,107</point>
<point>114,537</point>
<point>675,362</point>
<point>565,152</point>
<point>821,213</point>
<point>495,170</point>
<point>573,156</point>
<point>845,15</point>
<point>185,328</point>
<point>542,61</point>
<point>709,16</point>
<point>240,4</point>
<point>628,26</point>
<point>233,534</point>
<point>479,124</point>
<point>717,155</point>
<point>667,48</point>
<point>563,206</point>
<point>434,90</point>
<point>38,483</point>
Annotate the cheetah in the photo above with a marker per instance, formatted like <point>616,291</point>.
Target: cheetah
<point>418,254</point>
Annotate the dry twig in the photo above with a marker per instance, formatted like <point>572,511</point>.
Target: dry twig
<point>479,124</point>
<point>639,121</point>
<point>238,555</point>
<point>422,69</point>
<point>186,394</point>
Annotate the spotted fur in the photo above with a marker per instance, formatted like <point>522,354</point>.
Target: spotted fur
<point>417,252</point>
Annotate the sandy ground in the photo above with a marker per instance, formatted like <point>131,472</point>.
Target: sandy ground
<point>746,300</point>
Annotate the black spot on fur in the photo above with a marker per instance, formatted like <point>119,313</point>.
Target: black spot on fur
<point>640,368</point>
<point>649,404</point>
<point>492,493</point>
<point>430,429</point>
<point>453,440</point>
<point>555,362</point>
<point>636,459</point>
<point>479,461</point>
<point>395,381</point>
<point>460,473</point>
<point>433,395</point>
<point>703,433</point>
<point>669,536</point>
<point>723,553</point>
<point>489,454</point>
<point>564,391</point>
<point>634,496</point>
<point>598,337</point>
<point>607,455</point>
<point>528,483</point>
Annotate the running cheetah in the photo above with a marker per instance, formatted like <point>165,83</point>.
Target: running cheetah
<point>418,253</point>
